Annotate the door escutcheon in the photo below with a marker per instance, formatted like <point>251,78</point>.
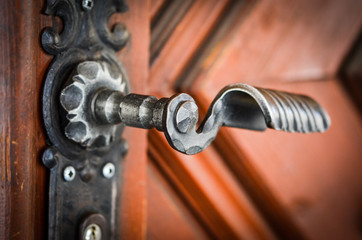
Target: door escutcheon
<point>85,182</point>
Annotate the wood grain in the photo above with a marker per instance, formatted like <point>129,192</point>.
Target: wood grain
<point>272,43</point>
<point>184,42</point>
<point>265,62</point>
<point>168,217</point>
<point>288,41</point>
<point>351,73</point>
<point>205,184</point>
<point>23,180</point>
<point>249,185</point>
<point>23,190</point>
<point>165,24</point>
<point>315,177</point>
<point>155,8</point>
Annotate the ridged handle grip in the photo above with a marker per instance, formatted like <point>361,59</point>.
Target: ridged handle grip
<point>243,106</point>
<point>289,112</point>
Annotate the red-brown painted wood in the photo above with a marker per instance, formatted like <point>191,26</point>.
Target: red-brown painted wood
<point>174,220</point>
<point>289,41</point>
<point>212,194</point>
<point>184,42</point>
<point>315,177</point>
<point>272,43</point>
<point>23,185</point>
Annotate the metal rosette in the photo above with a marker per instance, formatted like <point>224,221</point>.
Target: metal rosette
<point>77,99</point>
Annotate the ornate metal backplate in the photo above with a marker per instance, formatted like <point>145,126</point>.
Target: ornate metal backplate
<point>84,189</point>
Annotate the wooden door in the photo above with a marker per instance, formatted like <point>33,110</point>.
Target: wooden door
<point>247,185</point>
<point>257,185</point>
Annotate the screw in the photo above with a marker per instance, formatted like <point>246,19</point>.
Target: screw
<point>87,4</point>
<point>186,116</point>
<point>108,170</point>
<point>69,173</point>
<point>92,232</point>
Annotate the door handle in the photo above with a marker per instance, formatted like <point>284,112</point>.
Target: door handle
<point>87,102</point>
<point>95,101</point>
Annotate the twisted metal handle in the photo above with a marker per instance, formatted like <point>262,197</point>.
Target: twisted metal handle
<point>241,106</point>
<point>100,107</point>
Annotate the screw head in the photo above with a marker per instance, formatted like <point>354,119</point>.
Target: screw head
<point>69,173</point>
<point>186,116</point>
<point>92,232</point>
<point>108,170</point>
<point>87,4</point>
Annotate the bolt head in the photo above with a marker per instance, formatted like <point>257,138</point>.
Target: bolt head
<point>186,116</point>
<point>108,170</point>
<point>69,173</point>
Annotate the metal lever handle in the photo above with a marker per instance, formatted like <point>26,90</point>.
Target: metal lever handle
<point>237,105</point>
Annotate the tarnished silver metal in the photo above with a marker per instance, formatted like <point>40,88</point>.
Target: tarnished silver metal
<point>93,80</point>
<point>237,105</point>
<point>92,232</point>
<point>85,63</point>
<point>186,116</point>
<point>243,106</point>
<point>87,4</point>
<point>108,170</point>
<point>69,173</point>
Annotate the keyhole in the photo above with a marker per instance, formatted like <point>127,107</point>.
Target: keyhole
<point>93,232</point>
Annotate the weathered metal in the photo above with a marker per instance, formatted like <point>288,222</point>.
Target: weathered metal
<point>86,84</point>
<point>84,190</point>
<point>237,105</point>
<point>86,104</point>
<point>243,106</point>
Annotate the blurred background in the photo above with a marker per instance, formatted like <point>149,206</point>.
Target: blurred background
<point>259,185</point>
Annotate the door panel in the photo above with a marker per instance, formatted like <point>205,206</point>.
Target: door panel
<point>291,182</point>
<point>311,175</point>
<point>204,183</point>
<point>175,221</point>
<point>288,41</point>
